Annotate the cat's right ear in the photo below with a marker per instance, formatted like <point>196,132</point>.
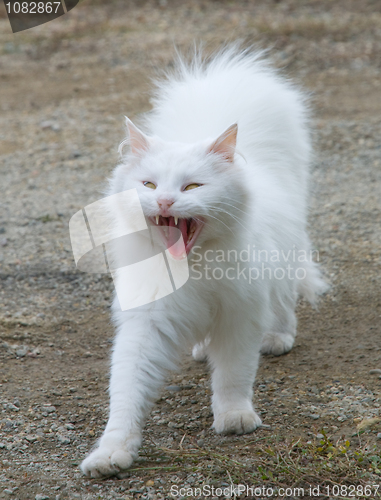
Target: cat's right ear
<point>225,144</point>
<point>137,140</point>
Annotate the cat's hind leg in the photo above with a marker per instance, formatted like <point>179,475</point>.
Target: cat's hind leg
<point>277,343</point>
<point>234,360</point>
<point>281,339</point>
<point>200,350</point>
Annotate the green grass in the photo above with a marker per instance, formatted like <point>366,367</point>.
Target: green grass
<point>276,464</point>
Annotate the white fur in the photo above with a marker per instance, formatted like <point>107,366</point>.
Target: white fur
<point>260,199</point>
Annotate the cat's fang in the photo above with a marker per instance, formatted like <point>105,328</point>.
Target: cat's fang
<point>157,219</point>
<point>176,220</point>
<point>191,233</point>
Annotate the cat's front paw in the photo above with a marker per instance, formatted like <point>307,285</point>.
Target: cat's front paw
<point>277,343</point>
<point>104,462</point>
<point>237,422</point>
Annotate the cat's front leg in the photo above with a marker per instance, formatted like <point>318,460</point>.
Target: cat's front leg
<point>140,359</point>
<point>234,360</point>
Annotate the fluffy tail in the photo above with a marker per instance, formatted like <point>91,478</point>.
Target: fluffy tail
<point>313,284</point>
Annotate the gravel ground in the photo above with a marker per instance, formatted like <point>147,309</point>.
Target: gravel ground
<point>65,87</point>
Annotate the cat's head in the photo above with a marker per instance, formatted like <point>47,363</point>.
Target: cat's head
<point>198,188</point>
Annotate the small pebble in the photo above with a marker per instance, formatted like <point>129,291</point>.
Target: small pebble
<point>63,439</point>
<point>50,124</point>
<point>23,351</point>
<point>375,371</point>
<point>173,388</point>
<point>12,407</point>
<point>31,438</point>
<point>49,409</point>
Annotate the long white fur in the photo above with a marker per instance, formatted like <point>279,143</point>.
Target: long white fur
<point>260,199</point>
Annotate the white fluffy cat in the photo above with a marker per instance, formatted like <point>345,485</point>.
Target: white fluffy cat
<point>225,160</point>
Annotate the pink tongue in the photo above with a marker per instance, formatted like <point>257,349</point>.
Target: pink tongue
<point>176,244</point>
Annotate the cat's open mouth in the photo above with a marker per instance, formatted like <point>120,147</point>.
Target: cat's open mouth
<point>170,227</point>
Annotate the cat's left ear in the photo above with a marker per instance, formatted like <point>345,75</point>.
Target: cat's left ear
<point>225,144</point>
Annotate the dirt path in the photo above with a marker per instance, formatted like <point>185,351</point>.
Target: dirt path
<point>65,87</point>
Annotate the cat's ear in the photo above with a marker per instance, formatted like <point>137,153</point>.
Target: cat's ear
<point>137,140</point>
<point>225,144</point>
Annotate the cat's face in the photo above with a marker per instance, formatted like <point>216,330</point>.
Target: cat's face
<point>195,188</point>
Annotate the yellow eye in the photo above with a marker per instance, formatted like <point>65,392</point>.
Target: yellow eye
<point>191,186</point>
<point>150,185</point>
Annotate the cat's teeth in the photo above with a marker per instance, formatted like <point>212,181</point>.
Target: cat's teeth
<point>176,220</point>
<point>157,219</point>
<point>191,234</point>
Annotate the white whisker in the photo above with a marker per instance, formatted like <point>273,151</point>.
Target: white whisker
<point>231,215</point>
<point>216,218</point>
<point>230,205</point>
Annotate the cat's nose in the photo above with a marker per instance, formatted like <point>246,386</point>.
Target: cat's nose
<point>164,204</point>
